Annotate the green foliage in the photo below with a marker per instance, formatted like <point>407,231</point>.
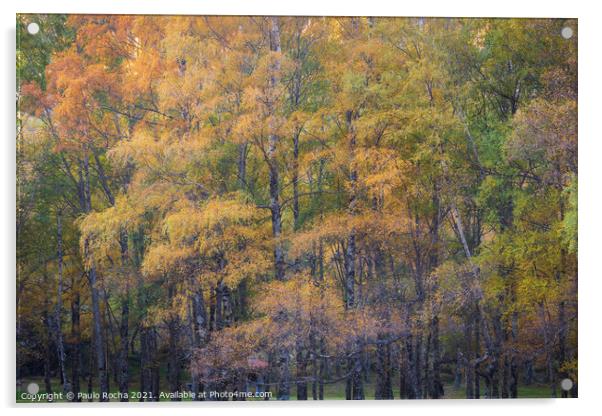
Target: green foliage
<point>34,51</point>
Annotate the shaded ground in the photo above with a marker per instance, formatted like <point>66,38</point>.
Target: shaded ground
<point>331,391</point>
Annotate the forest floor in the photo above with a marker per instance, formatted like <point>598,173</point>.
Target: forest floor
<point>331,391</point>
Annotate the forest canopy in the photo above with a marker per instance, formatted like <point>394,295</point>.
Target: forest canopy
<point>296,207</point>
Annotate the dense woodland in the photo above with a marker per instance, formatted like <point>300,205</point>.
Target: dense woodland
<point>297,204</point>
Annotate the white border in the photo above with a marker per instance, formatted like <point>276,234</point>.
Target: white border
<point>507,8</point>
<point>590,200</point>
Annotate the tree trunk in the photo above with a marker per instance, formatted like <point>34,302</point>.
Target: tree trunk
<point>98,336</point>
<point>92,278</point>
<point>242,165</point>
<point>551,377</point>
<point>155,366</point>
<point>477,351</point>
<point>412,378</point>
<point>418,359</point>
<point>75,339</point>
<point>513,366</point>
<point>323,373</point>
<point>426,385</point>
<point>301,374</point>
<point>124,339</point>
<point>147,357</point>
<point>358,383</point>
<point>124,327</point>
<point>173,359</point>
<point>173,362</point>
<point>283,392</point>
<point>384,387</point>
<point>48,344</point>
<point>506,377</point>
<point>296,179</point>
<point>58,318</point>
<point>403,374</point>
<point>496,353</point>
<point>458,370</point>
<point>219,297</point>
<point>200,330</point>
<point>350,254</point>
<point>91,361</point>
<point>356,387</point>
<point>437,385</point>
<point>529,372</point>
<point>273,141</point>
<point>469,369</point>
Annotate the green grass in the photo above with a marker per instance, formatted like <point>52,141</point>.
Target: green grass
<point>533,391</point>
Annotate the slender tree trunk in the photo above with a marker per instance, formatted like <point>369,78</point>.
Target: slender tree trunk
<point>497,358</point>
<point>283,392</point>
<point>98,336</point>
<point>551,376</point>
<point>124,339</point>
<point>477,351</point>
<point>315,374</point>
<point>273,142</point>
<point>323,371</point>
<point>242,165</point>
<point>412,378</point>
<point>219,297</point>
<point>356,390</point>
<point>155,365</point>
<point>426,385</point>
<point>562,321</point>
<point>268,378</point>
<point>437,385</point>
<point>124,327</point>
<point>529,371</point>
<point>146,351</point>
<point>145,377</point>
<point>513,366</point>
<point>75,339</point>
<point>173,359</point>
<point>48,338</point>
<point>96,315</point>
<point>314,366</point>
<point>107,326</point>
<point>212,302</point>
<point>91,361</point>
<point>58,318</point>
<point>200,330</point>
<point>349,383</point>
<point>458,370</point>
<point>403,373</point>
<point>301,374</point>
<point>296,179</point>
<point>469,368</point>
<point>358,383</point>
<point>350,254</point>
<point>506,377</point>
<point>384,386</point>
